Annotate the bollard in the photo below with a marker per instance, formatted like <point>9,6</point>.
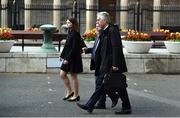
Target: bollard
<point>48,46</point>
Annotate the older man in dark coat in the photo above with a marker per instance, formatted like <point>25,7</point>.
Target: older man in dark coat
<point>109,54</point>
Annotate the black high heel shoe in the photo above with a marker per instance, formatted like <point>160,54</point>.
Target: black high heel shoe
<point>75,99</point>
<point>65,98</point>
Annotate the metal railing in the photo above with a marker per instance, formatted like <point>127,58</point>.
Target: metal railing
<point>140,17</point>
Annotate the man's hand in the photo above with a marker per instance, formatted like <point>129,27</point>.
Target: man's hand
<point>84,49</point>
<point>65,62</point>
<point>115,68</point>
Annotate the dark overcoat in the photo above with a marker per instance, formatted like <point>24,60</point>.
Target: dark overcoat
<point>72,53</point>
<point>110,52</point>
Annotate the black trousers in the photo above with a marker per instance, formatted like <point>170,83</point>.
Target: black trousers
<point>102,99</point>
<point>122,94</point>
<point>99,91</point>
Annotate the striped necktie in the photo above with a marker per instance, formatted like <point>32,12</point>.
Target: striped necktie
<point>95,46</point>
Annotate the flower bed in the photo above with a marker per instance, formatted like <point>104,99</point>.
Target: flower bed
<point>137,42</point>
<point>6,39</point>
<point>32,29</point>
<point>173,42</point>
<point>133,35</point>
<point>5,34</point>
<point>90,35</point>
<point>174,37</point>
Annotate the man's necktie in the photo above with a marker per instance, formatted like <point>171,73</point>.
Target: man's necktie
<point>95,46</point>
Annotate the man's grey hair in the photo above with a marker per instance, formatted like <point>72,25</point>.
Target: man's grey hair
<point>104,15</point>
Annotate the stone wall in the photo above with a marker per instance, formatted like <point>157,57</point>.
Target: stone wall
<point>34,62</point>
<point>153,63</point>
<point>156,61</point>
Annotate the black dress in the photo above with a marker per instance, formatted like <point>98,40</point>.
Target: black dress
<point>72,53</point>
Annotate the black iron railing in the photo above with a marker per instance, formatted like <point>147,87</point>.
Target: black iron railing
<point>140,17</point>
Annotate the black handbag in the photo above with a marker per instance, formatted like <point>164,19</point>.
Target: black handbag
<point>114,81</point>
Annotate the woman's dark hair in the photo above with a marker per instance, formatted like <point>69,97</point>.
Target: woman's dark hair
<point>75,25</point>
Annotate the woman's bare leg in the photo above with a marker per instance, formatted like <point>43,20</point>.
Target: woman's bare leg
<point>65,78</point>
<point>76,85</point>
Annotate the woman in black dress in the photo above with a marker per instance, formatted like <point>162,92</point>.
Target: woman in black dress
<point>72,60</point>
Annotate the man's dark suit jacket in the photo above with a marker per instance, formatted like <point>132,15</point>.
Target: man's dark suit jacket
<point>109,52</point>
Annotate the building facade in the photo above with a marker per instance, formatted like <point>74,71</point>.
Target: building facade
<point>144,15</point>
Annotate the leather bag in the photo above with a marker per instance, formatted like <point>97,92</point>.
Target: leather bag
<point>114,81</point>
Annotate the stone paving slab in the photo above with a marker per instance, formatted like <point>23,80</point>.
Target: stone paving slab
<point>40,95</point>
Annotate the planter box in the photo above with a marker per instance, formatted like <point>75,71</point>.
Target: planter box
<point>172,47</point>
<point>89,44</point>
<point>137,46</point>
<point>5,46</point>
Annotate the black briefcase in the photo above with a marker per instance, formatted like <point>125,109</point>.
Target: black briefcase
<point>114,81</point>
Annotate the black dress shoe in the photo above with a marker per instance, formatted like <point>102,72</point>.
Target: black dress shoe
<point>115,101</point>
<point>65,98</point>
<point>100,107</point>
<point>85,107</point>
<point>75,99</point>
<point>124,111</point>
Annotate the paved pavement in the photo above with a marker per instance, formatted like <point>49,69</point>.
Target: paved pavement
<point>39,95</point>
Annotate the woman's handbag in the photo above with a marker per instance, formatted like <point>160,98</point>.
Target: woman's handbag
<point>61,62</point>
<point>114,81</point>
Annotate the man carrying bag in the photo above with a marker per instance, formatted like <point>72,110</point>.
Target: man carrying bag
<point>116,82</point>
<point>113,64</point>
<point>109,54</point>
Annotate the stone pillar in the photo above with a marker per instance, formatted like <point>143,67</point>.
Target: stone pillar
<point>156,14</point>
<point>124,15</point>
<point>27,14</point>
<point>90,15</point>
<point>4,14</point>
<point>57,14</point>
